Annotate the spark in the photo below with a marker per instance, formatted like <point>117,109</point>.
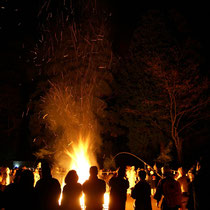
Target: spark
<point>45,116</point>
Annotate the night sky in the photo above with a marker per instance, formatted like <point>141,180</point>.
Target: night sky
<point>19,32</point>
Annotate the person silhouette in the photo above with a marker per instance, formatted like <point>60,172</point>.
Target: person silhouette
<point>1,199</point>
<point>142,193</point>
<point>21,195</point>
<point>72,192</point>
<point>10,192</point>
<point>47,190</point>
<point>26,192</point>
<point>170,189</point>
<point>94,189</point>
<point>118,191</point>
<point>200,184</point>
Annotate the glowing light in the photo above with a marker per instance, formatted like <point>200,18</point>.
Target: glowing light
<point>106,201</point>
<point>82,159</point>
<point>36,176</point>
<point>131,175</point>
<point>7,176</point>
<point>45,116</point>
<point>82,201</point>
<point>61,195</point>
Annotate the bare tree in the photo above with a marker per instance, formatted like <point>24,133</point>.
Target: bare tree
<point>181,95</point>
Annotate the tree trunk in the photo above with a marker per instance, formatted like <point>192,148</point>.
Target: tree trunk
<point>179,150</point>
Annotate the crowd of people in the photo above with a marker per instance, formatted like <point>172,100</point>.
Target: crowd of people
<point>172,190</point>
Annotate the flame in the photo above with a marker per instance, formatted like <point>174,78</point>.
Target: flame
<point>61,195</point>
<point>106,200</point>
<point>131,175</point>
<point>36,176</point>
<point>82,159</point>
<point>82,201</point>
<point>7,176</point>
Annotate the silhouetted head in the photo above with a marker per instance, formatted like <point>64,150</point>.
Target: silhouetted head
<point>71,177</point>
<point>93,171</point>
<point>204,163</point>
<point>142,174</point>
<point>167,171</point>
<point>27,179</point>
<point>46,171</point>
<point>121,172</point>
<point>17,176</point>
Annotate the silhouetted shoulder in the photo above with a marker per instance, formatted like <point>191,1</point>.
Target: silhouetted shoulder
<point>141,193</point>
<point>102,181</point>
<point>48,191</point>
<point>52,183</point>
<point>141,190</point>
<point>119,182</point>
<point>76,186</point>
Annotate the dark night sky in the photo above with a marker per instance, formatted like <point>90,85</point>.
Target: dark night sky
<point>19,22</point>
<point>18,29</point>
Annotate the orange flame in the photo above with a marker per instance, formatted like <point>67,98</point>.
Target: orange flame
<point>82,159</point>
<point>131,175</point>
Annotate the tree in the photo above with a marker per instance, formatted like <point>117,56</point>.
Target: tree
<point>179,91</point>
<point>157,90</point>
<point>181,97</point>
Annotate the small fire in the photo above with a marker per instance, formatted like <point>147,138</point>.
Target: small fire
<point>82,201</point>
<point>7,176</point>
<point>131,175</point>
<point>106,201</point>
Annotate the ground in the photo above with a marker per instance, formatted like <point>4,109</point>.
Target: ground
<point>129,204</point>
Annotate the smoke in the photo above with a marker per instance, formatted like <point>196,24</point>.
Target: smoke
<point>77,59</point>
<point>70,113</point>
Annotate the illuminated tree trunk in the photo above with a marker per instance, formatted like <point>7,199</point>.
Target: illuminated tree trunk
<point>178,143</point>
<point>174,122</point>
<point>174,95</point>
